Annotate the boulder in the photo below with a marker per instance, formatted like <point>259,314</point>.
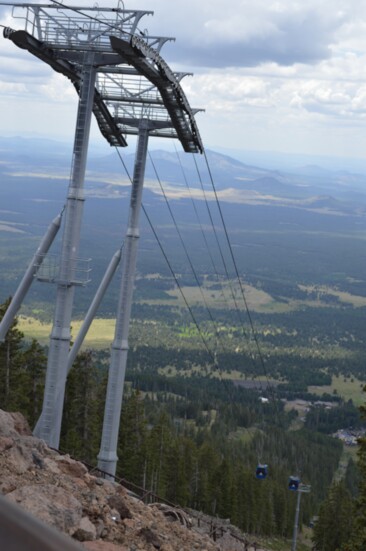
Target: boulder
<point>86,531</point>
<point>52,504</point>
<point>118,503</point>
<point>13,425</point>
<point>70,466</point>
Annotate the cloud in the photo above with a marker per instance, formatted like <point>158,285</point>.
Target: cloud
<point>243,33</point>
<point>286,40</point>
<point>268,72</point>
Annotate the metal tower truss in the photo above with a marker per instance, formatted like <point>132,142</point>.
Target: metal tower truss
<point>152,92</point>
<point>63,37</point>
<point>72,70</point>
<point>120,76</point>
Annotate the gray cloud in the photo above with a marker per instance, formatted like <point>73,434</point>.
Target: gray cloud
<point>268,72</point>
<point>241,33</point>
<point>300,38</point>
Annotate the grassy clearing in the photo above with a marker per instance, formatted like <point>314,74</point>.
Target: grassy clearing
<point>100,334</point>
<point>256,299</point>
<point>244,435</point>
<point>348,389</point>
<point>349,452</point>
<point>355,300</point>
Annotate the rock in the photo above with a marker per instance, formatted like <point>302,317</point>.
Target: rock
<point>53,505</point>
<point>150,537</point>
<point>20,424</point>
<point>8,485</point>
<point>7,427</point>
<point>103,546</point>
<point>13,425</point>
<point>15,456</point>
<point>6,443</point>
<point>71,467</point>
<point>99,527</point>
<point>51,465</point>
<point>38,460</point>
<point>59,490</point>
<point>118,503</point>
<point>86,531</point>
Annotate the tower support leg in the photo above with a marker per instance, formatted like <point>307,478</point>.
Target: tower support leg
<point>89,318</point>
<point>50,427</point>
<point>296,523</point>
<point>107,458</point>
<point>28,277</point>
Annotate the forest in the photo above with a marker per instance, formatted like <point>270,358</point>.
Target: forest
<point>194,441</point>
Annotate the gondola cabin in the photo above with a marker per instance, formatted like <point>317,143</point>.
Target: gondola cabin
<point>261,471</point>
<point>293,483</point>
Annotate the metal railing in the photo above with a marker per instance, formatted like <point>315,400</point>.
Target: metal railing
<point>77,27</point>
<point>48,270</point>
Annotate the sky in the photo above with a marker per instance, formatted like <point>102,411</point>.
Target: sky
<point>284,75</point>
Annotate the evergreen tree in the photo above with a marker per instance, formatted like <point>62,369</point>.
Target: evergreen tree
<point>34,363</point>
<point>352,478</point>
<point>10,364</point>
<point>159,442</point>
<point>132,440</point>
<point>81,424</point>
<point>358,540</point>
<point>334,526</point>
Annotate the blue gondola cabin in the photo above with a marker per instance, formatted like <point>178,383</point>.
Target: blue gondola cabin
<point>293,483</point>
<point>261,471</point>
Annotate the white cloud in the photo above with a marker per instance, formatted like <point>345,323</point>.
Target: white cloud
<point>270,73</point>
<point>58,89</point>
<point>12,88</point>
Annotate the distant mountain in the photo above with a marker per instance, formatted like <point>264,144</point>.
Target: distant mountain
<point>329,203</point>
<point>282,225</point>
<point>273,186</point>
<point>235,181</point>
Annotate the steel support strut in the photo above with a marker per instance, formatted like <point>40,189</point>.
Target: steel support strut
<point>50,427</point>
<point>90,315</point>
<point>107,278</point>
<point>107,458</point>
<point>296,523</point>
<point>28,277</point>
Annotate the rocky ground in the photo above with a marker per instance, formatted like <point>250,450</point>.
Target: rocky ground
<point>99,513</point>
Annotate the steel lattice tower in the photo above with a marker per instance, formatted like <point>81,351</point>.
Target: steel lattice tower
<point>121,78</point>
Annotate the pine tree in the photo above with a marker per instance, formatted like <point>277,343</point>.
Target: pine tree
<point>334,526</point>
<point>34,362</point>
<point>132,440</point>
<point>358,539</point>
<point>10,363</point>
<point>159,442</point>
<point>208,462</point>
<point>81,424</point>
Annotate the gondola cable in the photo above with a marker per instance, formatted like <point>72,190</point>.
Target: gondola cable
<point>221,252</point>
<point>262,469</point>
<point>207,348</point>
<point>201,228</point>
<point>212,355</point>
<point>224,263</point>
<point>254,334</point>
<point>218,337</point>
